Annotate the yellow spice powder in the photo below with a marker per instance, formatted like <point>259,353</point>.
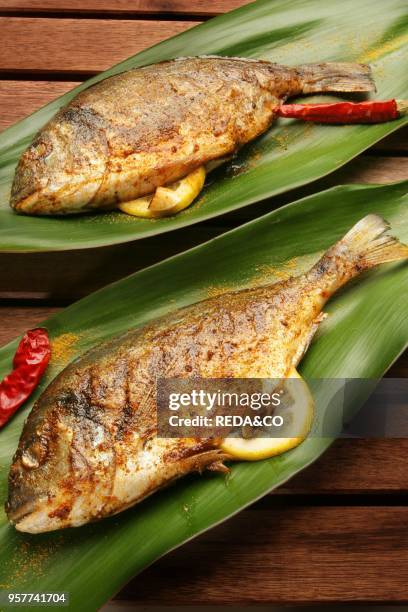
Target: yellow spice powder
<point>63,347</point>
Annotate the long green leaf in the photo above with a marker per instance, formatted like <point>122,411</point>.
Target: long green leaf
<point>289,155</point>
<point>366,330</point>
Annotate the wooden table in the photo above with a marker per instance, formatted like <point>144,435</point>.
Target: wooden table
<point>338,532</point>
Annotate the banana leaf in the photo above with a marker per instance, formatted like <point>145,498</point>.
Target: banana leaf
<point>289,155</point>
<point>366,330</point>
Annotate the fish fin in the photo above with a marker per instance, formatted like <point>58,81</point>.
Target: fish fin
<point>371,245</point>
<point>305,343</point>
<point>218,466</point>
<point>336,76</point>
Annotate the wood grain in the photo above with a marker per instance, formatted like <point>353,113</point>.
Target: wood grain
<point>375,466</point>
<point>80,46</point>
<point>18,99</point>
<point>15,320</point>
<point>373,169</point>
<point>207,8</point>
<point>286,554</point>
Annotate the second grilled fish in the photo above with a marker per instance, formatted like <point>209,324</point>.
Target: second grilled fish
<point>89,447</point>
<point>131,133</point>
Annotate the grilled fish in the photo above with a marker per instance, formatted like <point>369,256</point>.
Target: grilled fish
<point>89,447</point>
<point>127,135</point>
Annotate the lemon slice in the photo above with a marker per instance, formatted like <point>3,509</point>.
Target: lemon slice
<point>296,409</point>
<point>167,200</point>
<point>138,208</point>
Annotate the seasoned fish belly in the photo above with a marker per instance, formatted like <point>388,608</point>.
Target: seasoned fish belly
<point>127,135</point>
<point>89,447</point>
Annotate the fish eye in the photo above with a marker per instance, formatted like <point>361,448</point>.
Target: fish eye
<point>42,150</point>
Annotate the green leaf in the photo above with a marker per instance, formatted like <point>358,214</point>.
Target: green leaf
<point>289,155</point>
<point>366,330</point>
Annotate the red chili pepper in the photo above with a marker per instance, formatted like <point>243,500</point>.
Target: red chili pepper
<point>29,363</point>
<point>345,112</point>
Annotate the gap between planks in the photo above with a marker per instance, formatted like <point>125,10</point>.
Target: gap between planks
<point>119,8</point>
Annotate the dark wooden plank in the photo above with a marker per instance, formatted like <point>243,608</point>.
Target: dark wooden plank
<point>375,466</point>
<point>396,142</point>
<point>15,320</point>
<point>372,169</point>
<point>21,98</point>
<point>123,7</point>
<point>399,368</point>
<point>80,46</point>
<point>286,554</point>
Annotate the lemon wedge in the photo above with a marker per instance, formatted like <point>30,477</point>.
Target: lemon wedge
<point>296,409</point>
<point>167,200</point>
<point>138,208</point>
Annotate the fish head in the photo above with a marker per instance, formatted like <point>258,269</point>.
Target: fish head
<point>62,472</point>
<point>62,170</point>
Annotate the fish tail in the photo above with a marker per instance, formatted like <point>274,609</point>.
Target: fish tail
<point>369,243</point>
<point>336,76</point>
<point>365,246</point>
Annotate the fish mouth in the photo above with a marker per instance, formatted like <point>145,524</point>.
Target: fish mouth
<point>67,200</point>
<point>27,204</point>
<point>41,204</point>
<point>17,512</point>
<point>24,503</point>
<point>29,516</point>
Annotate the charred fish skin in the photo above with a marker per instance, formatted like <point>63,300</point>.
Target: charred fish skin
<point>126,135</point>
<point>89,447</point>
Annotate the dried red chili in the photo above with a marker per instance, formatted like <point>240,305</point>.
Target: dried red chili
<point>345,112</point>
<point>29,363</point>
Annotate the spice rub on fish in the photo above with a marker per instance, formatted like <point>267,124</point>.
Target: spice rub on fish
<point>89,447</point>
<point>133,132</point>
